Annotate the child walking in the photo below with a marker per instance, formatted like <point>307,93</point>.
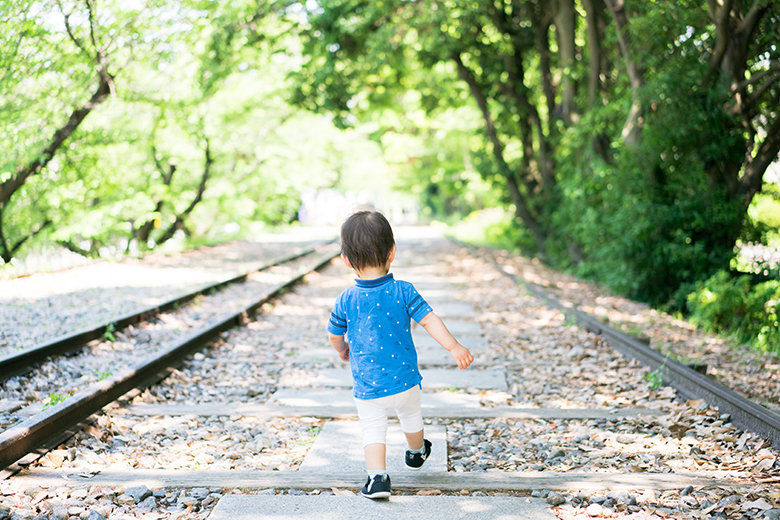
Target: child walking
<point>375,314</point>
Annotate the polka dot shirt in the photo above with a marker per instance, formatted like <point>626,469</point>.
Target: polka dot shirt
<point>376,317</point>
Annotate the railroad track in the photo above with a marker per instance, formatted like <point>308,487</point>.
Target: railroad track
<point>691,383</point>
<point>16,364</point>
<point>19,440</point>
<point>549,409</point>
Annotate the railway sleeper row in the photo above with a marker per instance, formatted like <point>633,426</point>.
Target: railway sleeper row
<point>549,422</point>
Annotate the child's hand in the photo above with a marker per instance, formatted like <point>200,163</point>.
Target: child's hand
<point>462,356</point>
<point>344,354</point>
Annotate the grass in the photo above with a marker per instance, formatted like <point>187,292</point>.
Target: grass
<point>55,399</point>
<point>109,333</point>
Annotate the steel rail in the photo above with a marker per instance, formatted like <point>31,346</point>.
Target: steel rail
<point>745,413</point>
<point>19,440</point>
<point>22,362</point>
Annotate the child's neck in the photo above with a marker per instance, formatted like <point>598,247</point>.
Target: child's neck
<point>372,273</point>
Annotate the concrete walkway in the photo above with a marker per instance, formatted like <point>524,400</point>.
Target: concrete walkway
<point>254,507</point>
<point>338,448</point>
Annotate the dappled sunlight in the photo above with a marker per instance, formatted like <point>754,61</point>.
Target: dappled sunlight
<point>190,442</point>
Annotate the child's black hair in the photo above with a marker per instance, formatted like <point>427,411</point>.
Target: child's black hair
<point>366,239</point>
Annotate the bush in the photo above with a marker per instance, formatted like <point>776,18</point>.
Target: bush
<point>734,306</point>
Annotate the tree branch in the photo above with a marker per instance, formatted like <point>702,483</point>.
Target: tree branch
<point>10,186</point>
<point>756,95</point>
<point>70,32</point>
<point>521,205</point>
<point>755,167</point>
<point>179,222</point>
<point>92,26</point>
<point>8,253</point>
<point>632,127</point>
<point>773,67</point>
<point>722,38</point>
<point>753,17</point>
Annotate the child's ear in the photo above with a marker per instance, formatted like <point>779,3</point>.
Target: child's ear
<point>346,260</point>
<point>391,256</point>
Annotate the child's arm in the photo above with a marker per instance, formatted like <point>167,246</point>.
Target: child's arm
<point>439,332</point>
<point>341,346</point>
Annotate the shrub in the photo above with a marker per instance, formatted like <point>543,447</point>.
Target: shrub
<point>734,306</point>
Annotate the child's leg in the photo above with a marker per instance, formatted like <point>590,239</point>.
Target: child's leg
<point>375,456</point>
<point>407,406</point>
<point>414,440</point>
<point>373,425</point>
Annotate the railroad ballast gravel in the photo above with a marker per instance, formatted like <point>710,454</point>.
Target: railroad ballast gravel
<point>58,378</point>
<point>549,364</point>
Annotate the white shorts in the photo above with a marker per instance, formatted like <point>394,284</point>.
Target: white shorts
<point>373,414</point>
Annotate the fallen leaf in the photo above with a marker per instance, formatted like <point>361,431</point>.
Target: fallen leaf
<point>97,434</point>
<point>757,504</point>
<point>765,464</point>
<point>742,440</point>
<point>342,492</point>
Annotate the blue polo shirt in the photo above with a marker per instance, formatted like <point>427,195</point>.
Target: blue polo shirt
<point>375,315</point>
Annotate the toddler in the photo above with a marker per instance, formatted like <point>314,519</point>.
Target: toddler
<point>375,315</point>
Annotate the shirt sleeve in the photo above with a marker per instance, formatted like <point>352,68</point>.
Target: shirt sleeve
<point>337,325</point>
<point>416,306</point>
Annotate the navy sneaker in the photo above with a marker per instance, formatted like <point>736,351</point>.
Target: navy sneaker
<point>414,461</point>
<point>377,487</point>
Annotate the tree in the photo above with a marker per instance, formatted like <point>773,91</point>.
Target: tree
<point>87,48</point>
<point>634,155</point>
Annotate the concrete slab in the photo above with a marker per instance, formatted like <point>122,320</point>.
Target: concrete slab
<point>270,507</point>
<point>456,327</point>
<point>432,378</point>
<point>453,309</point>
<point>572,481</point>
<point>339,449</point>
<point>423,340</point>
<point>326,397</point>
<point>434,293</point>
<point>435,356</point>
<point>494,378</point>
<point>316,355</point>
<point>446,405</point>
<point>426,288</point>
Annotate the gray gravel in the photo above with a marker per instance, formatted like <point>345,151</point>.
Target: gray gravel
<point>43,306</point>
<point>549,364</point>
<point>60,377</point>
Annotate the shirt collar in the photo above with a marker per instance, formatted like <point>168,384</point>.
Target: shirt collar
<point>376,282</point>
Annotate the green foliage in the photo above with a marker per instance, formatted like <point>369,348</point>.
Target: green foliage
<point>55,399</point>
<point>109,332</point>
<point>493,227</point>
<point>654,219</point>
<point>732,305</point>
<point>196,144</point>
<point>655,379</point>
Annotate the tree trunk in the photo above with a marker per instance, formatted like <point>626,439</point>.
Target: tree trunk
<point>565,25</point>
<point>594,10</point>
<point>633,125</point>
<point>179,222</point>
<point>734,32</point>
<point>541,21</point>
<point>7,252</point>
<point>522,209</point>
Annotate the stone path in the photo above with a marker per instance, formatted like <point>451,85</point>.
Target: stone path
<point>337,450</point>
<point>356,508</point>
